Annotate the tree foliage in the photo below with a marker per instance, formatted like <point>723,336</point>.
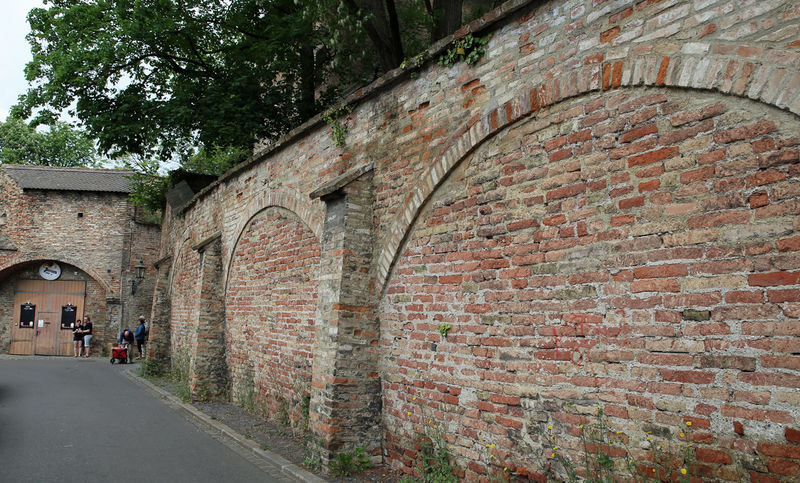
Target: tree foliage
<point>156,77</point>
<point>58,145</point>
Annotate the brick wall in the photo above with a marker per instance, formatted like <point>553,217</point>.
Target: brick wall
<point>604,209</point>
<point>185,295</point>
<point>649,275</point>
<point>271,304</point>
<point>103,245</point>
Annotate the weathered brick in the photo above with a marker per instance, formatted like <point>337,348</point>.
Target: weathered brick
<point>565,248</point>
<point>652,157</point>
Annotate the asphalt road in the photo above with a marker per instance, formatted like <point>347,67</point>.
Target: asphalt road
<point>77,420</point>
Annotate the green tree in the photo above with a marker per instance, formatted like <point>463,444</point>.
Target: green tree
<point>57,145</point>
<point>155,77</point>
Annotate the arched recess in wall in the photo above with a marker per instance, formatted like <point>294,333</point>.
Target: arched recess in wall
<point>31,260</point>
<point>270,302</point>
<point>290,200</point>
<point>637,252</point>
<point>766,82</point>
<point>184,291</point>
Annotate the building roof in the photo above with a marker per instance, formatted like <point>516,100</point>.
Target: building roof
<point>69,179</point>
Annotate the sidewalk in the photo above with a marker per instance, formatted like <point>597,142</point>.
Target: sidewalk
<point>255,439</point>
<point>268,461</point>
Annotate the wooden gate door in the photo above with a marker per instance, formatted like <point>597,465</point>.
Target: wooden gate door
<point>52,300</point>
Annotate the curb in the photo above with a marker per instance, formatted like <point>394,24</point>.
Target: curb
<point>269,460</point>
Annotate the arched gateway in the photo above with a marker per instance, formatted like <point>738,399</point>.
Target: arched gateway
<point>71,244</point>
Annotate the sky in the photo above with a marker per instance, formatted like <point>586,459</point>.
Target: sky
<point>15,52</point>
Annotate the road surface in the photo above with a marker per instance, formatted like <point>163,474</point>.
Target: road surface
<point>80,420</point>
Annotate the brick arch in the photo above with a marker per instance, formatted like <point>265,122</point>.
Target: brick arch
<point>770,83</point>
<point>183,309</point>
<point>270,298</point>
<point>289,200</point>
<point>61,259</point>
<point>177,260</point>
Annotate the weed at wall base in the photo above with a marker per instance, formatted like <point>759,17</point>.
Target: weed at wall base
<point>606,456</point>
<point>151,369</point>
<point>346,464</point>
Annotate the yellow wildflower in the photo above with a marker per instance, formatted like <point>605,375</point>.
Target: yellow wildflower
<point>550,426</point>
<point>683,471</point>
<point>682,435</point>
<point>688,423</point>
<point>460,51</point>
<point>492,446</point>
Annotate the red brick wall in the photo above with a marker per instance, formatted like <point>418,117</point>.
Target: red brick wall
<point>185,293</point>
<point>604,208</point>
<point>271,302</point>
<point>652,273</point>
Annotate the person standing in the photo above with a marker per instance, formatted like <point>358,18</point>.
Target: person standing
<point>140,336</point>
<point>87,334</point>
<point>77,338</point>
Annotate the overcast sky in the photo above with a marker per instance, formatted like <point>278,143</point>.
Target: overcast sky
<point>15,52</point>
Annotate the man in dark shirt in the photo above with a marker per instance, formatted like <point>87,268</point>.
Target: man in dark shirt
<point>140,336</point>
<point>126,341</point>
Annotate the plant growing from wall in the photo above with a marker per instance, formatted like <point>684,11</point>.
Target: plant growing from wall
<point>443,329</point>
<point>346,464</point>
<point>179,374</point>
<point>313,462</point>
<point>434,460</point>
<point>151,369</point>
<point>305,411</point>
<point>244,392</point>
<point>433,455</point>
<point>283,411</point>
<point>467,49</point>
<point>599,441</point>
<point>338,128</point>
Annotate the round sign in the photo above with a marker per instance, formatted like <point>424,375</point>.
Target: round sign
<point>50,271</point>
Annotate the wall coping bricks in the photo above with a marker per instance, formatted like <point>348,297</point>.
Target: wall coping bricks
<point>208,240</point>
<point>338,183</point>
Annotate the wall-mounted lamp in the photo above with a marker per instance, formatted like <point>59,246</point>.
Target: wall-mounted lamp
<point>139,276</point>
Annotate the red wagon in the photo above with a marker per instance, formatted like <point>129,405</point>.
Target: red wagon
<point>119,354</point>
